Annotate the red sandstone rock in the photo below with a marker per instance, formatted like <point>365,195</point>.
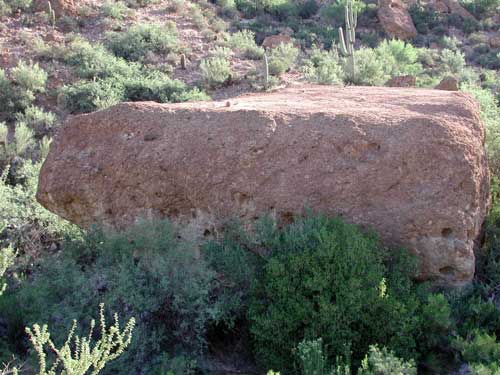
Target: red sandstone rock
<point>395,19</point>
<point>448,83</point>
<point>60,7</point>
<point>402,81</point>
<point>409,163</point>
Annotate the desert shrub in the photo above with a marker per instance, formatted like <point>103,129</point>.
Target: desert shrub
<point>7,256</point>
<point>345,294</point>
<point>490,114</point>
<point>244,42</point>
<point>424,18</point>
<point>479,348</point>
<point>452,62</point>
<point>370,70</point>
<point>115,9</point>
<point>144,272</point>
<point>37,119</point>
<point>323,67</point>
<point>80,355</point>
<point>88,96</point>
<point>7,7</point>
<point>380,361</point>
<point>18,89</point>
<point>480,8</point>
<point>227,8</point>
<point>399,58</point>
<point>22,219</point>
<point>307,9</point>
<point>9,149</point>
<point>215,71</point>
<point>335,12</point>
<point>141,39</point>
<point>280,9</point>
<point>282,58</point>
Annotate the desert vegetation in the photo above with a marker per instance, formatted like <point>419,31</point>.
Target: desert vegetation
<point>318,296</point>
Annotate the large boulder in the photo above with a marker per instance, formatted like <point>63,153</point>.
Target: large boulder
<point>409,163</point>
<point>396,20</point>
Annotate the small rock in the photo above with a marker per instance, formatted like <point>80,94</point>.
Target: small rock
<point>402,81</point>
<point>448,84</point>
<point>494,41</point>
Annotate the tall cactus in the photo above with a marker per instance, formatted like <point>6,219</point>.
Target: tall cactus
<point>347,49</point>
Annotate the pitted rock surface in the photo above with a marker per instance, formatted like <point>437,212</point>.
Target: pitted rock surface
<point>409,163</point>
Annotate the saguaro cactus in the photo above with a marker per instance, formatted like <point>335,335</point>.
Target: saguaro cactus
<point>346,45</point>
<point>266,72</point>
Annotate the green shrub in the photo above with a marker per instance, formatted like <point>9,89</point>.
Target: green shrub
<point>115,9</point>
<point>313,361</point>
<point>370,70</point>
<point>17,147</point>
<point>215,71</point>
<point>480,348</point>
<point>7,7</point>
<point>480,8</point>
<point>244,42</point>
<point>141,39</point>
<point>17,91</point>
<point>37,119</point>
<point>424,18</point>
<point>88,96</point>
<point>399,58</point>
<point>7,256</point>
<point>452,62</point>
<point>282,58</point>
<point>22,219</point>
<point>93,61</point>
<point>345,294</point>
<point>380,361</point>
<point>280,9</point>
<point>490,114</point>
<point>323,67</point>
<point>335,12</point>
<point>144,272</point>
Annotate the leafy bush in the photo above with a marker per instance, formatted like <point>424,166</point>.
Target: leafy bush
<point>7,256</point>
<point>215,71</point>
<point>7,7</point>
<point>88,96</point>
<point>380,361</point>
<point>244,41</point>
<point>345,294</point>
<point>480,8</point>
<point>17,91</point>
<point>115,9</point>
<point>24,220</point>
<point>282,58</point>
<point>370,70</point>
<point>93,61</point>
<point>323,67</point>
<point>37,119</point>
<point>335,12</point>
<point>424,18</point>
<point>23,140</point>
<point>399,58</point>
<point>140,39</point>
<point>490,114</point>
<point>480,348</point>
<point>144,272</point>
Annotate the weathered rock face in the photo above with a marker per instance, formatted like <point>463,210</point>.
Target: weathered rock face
<point>409,163</point>
<point>395,19</point>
